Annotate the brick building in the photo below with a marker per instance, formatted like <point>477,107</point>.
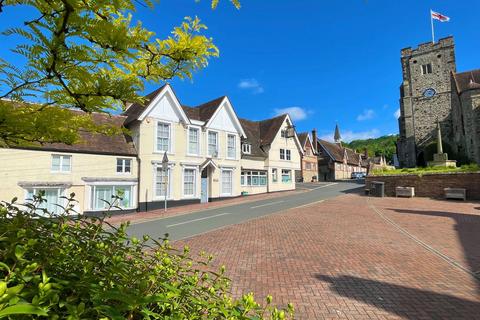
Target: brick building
<point>309,165</point>
<point>432,91</point>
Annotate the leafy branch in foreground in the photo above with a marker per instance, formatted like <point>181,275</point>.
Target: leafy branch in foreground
<point>92,55</point>
<point>84,268</point>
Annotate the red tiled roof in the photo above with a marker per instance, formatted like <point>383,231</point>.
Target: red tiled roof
<point>119,144</point>
<point>467,80</point>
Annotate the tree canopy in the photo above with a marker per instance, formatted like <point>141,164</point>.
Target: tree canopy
<point>90,55</point>
<point>385,145</point>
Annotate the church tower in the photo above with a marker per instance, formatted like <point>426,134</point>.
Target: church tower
<point>337,137</point>
<point>425,97</point>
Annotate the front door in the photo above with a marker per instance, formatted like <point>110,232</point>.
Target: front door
<point>204,186</point>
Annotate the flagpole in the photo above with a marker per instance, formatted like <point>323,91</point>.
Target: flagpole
<point>431,22</point>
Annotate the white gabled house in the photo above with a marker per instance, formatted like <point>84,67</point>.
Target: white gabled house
<point>202,144</point>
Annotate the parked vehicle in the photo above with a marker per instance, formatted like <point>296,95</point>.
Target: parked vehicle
<point>358,175</point>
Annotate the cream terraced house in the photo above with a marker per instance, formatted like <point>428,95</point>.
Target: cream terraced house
<point>202,144</point>
<point>94,169</point>
<point>270,155</point>
<point>212,155</point>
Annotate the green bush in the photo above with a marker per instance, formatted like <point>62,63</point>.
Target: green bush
<point>58,267</point>
<point>425,170</point>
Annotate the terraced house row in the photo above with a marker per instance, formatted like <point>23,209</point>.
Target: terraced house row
<point>212,155</point>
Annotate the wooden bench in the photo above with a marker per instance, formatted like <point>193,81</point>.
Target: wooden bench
<point>408,192</point>
<point>455,193</point>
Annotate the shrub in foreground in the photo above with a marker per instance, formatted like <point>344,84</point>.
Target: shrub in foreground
<point>84,268</point>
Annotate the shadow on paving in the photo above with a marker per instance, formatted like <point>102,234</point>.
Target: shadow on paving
<point>406,302</point>
<point>468,231</point>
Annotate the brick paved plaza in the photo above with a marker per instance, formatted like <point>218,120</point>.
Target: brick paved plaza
<point>357,258</point>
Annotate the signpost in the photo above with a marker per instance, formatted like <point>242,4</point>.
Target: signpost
<point>165,170</point>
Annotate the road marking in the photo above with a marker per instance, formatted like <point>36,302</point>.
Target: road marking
<point>198,219</point>
<point>327,185</point>
<point>267,204</point>
<point>309,204</point>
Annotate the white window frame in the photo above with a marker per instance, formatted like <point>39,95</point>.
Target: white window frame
<point>170,184</point>
<point>36,189</point>
<point>274,175</point>
<point>62,156</point>
<point>113,184</point>
<point>288,154</point>
<point>170,137</point>
<point>217,143</point>
<point>195,183</point>
<point>222,193</point>
<point>290,175</point>
<point>199,134</point>
<point>284,154</point>
<point>259,174</point>
<point>124,160</point>
<point>228,135</point>
<point>246,148</point>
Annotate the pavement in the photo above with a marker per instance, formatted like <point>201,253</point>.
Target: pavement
<point>182,226</point>
<point>354,257</point>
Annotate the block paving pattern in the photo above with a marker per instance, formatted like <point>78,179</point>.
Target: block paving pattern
<point>340,260</point>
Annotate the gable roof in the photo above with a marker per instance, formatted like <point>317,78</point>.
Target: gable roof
<point>336,152</point>
<point>303,137</point>
<point>205,111</point>
<point>252,131</point>
<point>96,143</point>
<point>262,133</point>
<point>467,80</point>
<point>135,110</point>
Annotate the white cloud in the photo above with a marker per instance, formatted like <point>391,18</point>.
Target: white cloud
<point>251,84</point>
<point>397,114</point>
<point>367,114</point>
<point>296,113</point>
<point>349,135</point>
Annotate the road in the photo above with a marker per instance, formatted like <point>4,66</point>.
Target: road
<point>187,225</point>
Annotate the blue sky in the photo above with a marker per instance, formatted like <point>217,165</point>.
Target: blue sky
<point>324,61</point>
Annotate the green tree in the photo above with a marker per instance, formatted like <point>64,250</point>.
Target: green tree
<point>385,145</point>
<point>92,56</point>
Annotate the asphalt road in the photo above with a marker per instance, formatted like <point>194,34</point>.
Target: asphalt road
<point>187,225</point>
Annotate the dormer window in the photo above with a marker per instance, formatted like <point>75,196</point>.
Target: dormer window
<point>426,68</point>
<point>247,148</point>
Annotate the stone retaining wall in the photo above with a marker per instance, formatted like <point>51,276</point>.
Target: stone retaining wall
<point>431,184</point>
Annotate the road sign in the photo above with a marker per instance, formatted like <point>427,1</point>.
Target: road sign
<point>165,161</point>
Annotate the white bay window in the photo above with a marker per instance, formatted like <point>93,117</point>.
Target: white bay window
<point>106,196</point>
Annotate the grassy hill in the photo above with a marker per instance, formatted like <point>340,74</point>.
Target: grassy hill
<point>382,145</point>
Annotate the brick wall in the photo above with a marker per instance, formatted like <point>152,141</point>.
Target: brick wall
<point>431,185</point>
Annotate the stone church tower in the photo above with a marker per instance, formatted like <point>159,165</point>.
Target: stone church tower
<point>426,95</point>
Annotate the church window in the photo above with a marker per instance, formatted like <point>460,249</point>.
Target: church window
<point>426,68</point>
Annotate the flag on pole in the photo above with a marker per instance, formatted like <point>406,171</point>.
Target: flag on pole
<point>439,16</point>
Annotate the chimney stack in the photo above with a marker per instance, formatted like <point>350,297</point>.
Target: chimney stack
<point>314,140</point>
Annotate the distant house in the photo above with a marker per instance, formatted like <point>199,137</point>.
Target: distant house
<point>271,154</point>
<point>335,162</point>
<point>309,164</point>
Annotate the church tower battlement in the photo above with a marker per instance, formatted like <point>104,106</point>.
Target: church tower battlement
<point>425,97</point>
